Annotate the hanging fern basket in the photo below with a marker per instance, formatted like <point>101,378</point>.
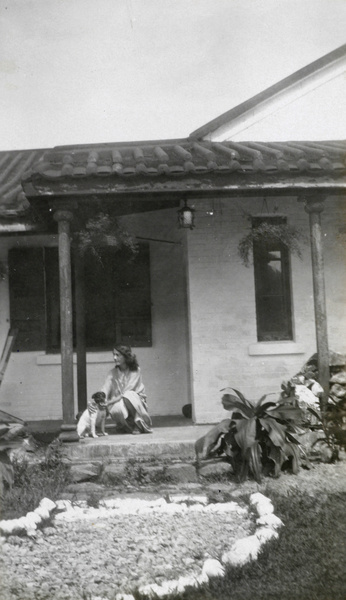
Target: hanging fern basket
<point>101,231</point>
<point>267,234</point>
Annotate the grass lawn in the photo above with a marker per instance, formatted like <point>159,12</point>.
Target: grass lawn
<point>307,562</point>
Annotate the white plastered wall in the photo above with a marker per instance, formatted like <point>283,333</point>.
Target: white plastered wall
<point>224,345</point>
<point>31,388</point>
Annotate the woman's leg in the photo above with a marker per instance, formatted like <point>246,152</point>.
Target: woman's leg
<point>119,414</point>
<point>130,409</point>
<point>138,418</point>
<point>130,420</point>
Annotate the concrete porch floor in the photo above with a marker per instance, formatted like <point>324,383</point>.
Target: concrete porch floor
<point>172,438</point>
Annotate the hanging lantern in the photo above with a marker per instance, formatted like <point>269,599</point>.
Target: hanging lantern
<point>186,217</point>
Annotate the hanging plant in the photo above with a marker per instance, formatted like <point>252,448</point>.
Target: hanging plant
<point>104,230</point>
<point>267,232</point>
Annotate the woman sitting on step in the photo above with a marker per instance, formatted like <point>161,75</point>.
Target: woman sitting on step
<point>125,393</point>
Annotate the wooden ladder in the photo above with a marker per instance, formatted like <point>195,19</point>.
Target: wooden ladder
<point>6,353</point>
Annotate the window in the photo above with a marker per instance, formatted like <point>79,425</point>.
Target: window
<point>27,301</point>
<point>116,295</point>
<point>272,287</point>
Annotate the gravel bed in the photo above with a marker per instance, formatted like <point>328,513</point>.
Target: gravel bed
<point>110,552</point>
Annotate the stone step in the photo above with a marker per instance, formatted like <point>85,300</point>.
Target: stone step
<point>166,443</point>
<point>149,473</point>
<point>166,455</point>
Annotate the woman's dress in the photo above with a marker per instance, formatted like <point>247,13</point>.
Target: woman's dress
<point>127,384</point>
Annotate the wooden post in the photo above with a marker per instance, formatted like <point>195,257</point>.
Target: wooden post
<point>63,217</point>
<point>80,332</point>
<point>314,207</point>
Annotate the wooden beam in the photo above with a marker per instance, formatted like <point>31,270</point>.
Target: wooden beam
<point>63,217</point>
<point>80,331</point>
<point>314,207</point>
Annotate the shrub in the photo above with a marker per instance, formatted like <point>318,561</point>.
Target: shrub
<point>93,500</point>
<point>331,424</point>
<point>328,415</point>
<point>34,481</point>
<point>11,438</point>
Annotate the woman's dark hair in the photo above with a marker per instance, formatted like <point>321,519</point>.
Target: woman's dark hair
<point>130,358</point>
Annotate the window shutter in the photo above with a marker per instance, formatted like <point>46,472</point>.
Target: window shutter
<point>118,298</point>
<point>27,297</point>
<point>134,300</point>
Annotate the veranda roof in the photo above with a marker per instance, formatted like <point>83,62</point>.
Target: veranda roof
<point>162,172</point>
<point>187,165</point>
<point>15,210</point>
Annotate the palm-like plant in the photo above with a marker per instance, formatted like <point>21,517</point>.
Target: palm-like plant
<point>260,435</point>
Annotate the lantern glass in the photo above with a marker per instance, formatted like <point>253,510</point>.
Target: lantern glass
<point>186,217</point>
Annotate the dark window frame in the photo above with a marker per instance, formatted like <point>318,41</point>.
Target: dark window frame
<point>273,290</point>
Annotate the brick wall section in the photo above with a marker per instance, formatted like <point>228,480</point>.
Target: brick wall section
<point>222,302</point>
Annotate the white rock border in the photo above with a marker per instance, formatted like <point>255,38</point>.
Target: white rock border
<point>112,507</point>
<point>28,525</point>
<point>243,550</point>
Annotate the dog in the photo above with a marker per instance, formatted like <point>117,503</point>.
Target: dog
<point>94,416</point>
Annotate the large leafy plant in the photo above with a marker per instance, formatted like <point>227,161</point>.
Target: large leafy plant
<point>259,437</point>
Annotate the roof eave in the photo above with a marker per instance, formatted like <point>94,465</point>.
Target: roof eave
<point>311,73</point>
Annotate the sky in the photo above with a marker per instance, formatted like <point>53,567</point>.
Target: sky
<point>87,71</point>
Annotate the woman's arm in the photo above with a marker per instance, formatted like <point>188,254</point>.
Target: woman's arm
<point>113,401</point>
<point>111,389</point>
